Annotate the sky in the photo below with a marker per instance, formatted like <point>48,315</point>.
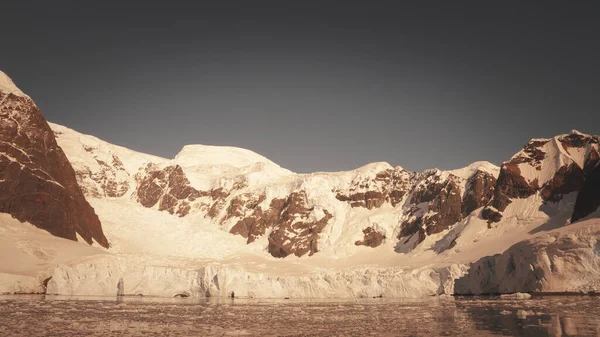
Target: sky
<point>312,85</point>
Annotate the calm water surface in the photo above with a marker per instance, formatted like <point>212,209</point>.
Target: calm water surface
<point>85,316</point>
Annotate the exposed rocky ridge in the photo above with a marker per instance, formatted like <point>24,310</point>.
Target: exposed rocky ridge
<point>390,185</point>
<point>37,182</point>
<point>293,227</point>
<point>588,199</point>
<point>254,211</point>
<point>168,187</point>
<point>479,191</point>
<point>438,202</point>
<point>251,201</point>
<point>551,167</point>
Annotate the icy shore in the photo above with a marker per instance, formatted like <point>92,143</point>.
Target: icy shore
<point>110,277</point>
<point>565,260</point>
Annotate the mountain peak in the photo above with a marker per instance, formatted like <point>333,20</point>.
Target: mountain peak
<point>576,132</point>
<point>210,155</point>
<point>484,166</point>
<point>8,86</point>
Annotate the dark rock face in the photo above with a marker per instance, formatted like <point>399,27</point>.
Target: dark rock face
<point>168,187</point>
<point>575,139</point>
<point>588,199</point>
<point>533,153</point>
<point>511,184</point>
<point>369,199</point>
<point>447,207</point>
<point>491,214</point>
<point>293,232</point>
<point>592,161</point>
<point>438,203</point>
<point>372,238</point>
<point>255,221</point>
<point>444,207</point>
<point>387,186</point>
<point>567,179</point>
<point>37,182</point>
<point>571,177</point>
<point>478,191</point>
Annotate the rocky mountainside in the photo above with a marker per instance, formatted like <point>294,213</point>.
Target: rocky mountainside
<point>551,168</point>
<point>37,181</point>
<point>301,214</point>
<point>250,196</point>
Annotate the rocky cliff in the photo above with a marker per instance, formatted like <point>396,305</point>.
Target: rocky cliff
<point>37,182</point>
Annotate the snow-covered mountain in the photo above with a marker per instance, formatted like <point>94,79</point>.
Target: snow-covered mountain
<point>214,219</point>
<point>299,214</point>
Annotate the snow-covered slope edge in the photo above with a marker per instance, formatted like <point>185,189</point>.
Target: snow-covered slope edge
<point>30,255</point>
<point>563,260</point>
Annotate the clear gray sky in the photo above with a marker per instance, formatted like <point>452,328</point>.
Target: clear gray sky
<point>313,85</point>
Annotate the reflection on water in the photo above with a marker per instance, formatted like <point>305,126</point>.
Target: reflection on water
<point>484,316</point>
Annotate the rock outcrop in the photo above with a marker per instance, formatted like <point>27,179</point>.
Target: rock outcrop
<point>479,191</point>
<point>37,182</point>
<point>372,238</point>
<point>588,199</point>
<point>295,226</point>
<point>390,185</point>
<point>551,168</point>
<point>168,187</point>
<point>439,201</point>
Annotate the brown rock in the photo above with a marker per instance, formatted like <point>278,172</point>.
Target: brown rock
<point>387,186</point>
<point>511,184</point>
<point>372,238</point>
<point>490,214</point>
<point>567,179</point>
<point>447,207</point>
<point>575,140</point>
<point>591,161</point>
<point>588,199</point>
<point>444,206</point>
<point>169,187</point>
<point>478,191</point>
<point>291,231</point>
<point>37,182</point>
<point>255,221</point>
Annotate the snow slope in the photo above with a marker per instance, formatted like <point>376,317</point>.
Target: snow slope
<point>468,171</point>
<point>213,166</point>
<point>566,259</point>
<point>8,86</point>
<point>29,255</point>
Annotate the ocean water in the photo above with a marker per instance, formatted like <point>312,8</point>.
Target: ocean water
<point>25,315</point>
